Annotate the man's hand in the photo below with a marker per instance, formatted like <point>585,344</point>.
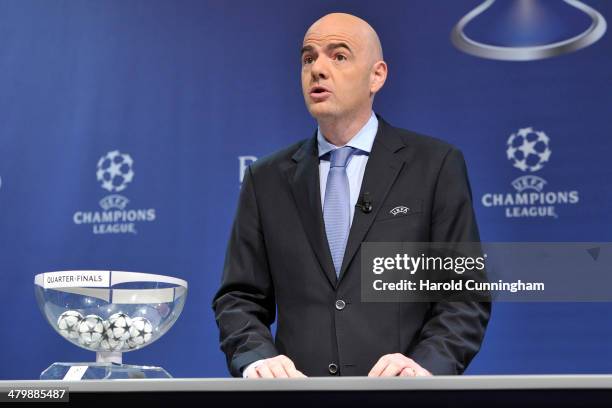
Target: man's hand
<point>275,367</point>
<point>393,365</point>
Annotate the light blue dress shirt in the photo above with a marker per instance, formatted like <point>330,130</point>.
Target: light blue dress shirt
<point>355,169</point>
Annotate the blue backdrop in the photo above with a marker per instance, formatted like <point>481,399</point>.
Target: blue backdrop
<point>193,91</point>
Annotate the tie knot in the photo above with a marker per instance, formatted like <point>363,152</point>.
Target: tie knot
<point>340,156</point>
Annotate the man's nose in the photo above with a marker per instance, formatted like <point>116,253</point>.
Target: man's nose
<point>319,69</point>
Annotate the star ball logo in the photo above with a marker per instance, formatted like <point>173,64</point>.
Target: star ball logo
<point>114,172</point>
<point>529,151</point>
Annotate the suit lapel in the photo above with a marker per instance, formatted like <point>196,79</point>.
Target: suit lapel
<point>304,181</point>
<point>380,173</point>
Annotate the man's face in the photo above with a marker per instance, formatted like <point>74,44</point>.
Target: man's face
<point>336,68</point>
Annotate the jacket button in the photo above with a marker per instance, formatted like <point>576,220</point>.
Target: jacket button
<point>333,368</point>
<point>340,304</point>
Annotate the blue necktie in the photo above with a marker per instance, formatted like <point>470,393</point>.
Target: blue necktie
<point>336,207</point>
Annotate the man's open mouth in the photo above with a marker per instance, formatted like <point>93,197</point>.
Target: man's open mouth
<point>318,90</point>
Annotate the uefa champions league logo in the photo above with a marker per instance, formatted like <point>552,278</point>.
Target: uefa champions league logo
<point>529,151</point>
<point>114,172</point>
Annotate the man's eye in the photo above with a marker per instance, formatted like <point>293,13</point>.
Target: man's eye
<point>308,60</point>
<point>340,57</point>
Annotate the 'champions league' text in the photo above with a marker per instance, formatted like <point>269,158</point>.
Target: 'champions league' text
<point>114,222</point>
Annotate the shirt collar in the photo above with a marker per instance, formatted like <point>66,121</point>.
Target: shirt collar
<point>362,141</point>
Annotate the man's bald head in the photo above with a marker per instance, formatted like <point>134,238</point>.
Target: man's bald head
<point>342,69</point>
<point>350,25</point>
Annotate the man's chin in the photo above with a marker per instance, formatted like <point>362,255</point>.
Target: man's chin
<point>321,110</point>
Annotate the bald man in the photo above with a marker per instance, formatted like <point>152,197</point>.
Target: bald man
<point>303,213</point>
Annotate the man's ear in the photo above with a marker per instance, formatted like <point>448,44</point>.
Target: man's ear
<point>378,76</point>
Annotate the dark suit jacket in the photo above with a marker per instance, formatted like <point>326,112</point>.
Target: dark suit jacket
<point>278,259</point>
